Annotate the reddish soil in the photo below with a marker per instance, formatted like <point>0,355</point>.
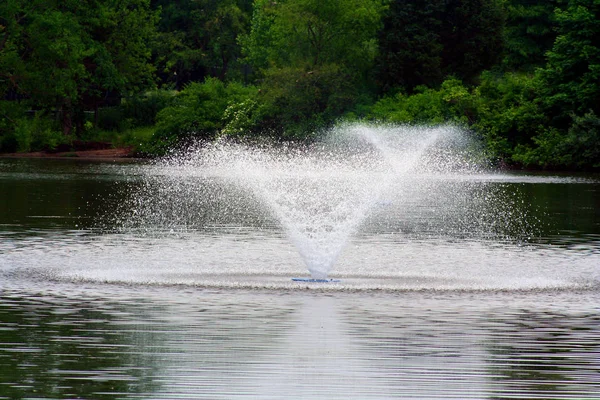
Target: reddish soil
<point>108,154</point>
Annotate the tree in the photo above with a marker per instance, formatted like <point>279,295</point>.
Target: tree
<point>198,113</point>
<point>72,54</point>
<point>529,33</point>
<point>313,58</point>
<point>411,47</point>
<point>571,78</point>
<point>199,38</point>
<point>425,41</point>
<point>312,33</point>
<point>12,68</point>
<point>472,37</point>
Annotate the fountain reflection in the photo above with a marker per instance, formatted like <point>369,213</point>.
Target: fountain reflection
<point>113,341</point>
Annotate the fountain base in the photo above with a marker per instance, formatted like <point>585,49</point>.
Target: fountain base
<point>315,280</point>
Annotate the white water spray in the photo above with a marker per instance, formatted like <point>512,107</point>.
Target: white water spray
<point>321,193</point>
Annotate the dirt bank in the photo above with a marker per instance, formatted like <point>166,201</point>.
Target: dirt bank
<point>100,154</point>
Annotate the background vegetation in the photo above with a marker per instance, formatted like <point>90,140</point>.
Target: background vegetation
<point>524,75</point>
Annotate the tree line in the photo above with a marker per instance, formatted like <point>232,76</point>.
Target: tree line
<point>523,75</point>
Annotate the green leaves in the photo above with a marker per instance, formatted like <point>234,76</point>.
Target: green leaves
<point>529,33</point>
<point>199,112</point>
<point>310,33</point>
<point>70,54</point>
<point>424,41</point>
<point>572,74</point>
<point>313,58</point>
<point>199,38</point>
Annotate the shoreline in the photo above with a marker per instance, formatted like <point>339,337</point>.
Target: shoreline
<point>116,154</point>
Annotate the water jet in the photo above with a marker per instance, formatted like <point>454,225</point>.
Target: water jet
<point>320,194</point>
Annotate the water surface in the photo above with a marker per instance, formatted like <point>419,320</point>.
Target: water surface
<point>492,293</point>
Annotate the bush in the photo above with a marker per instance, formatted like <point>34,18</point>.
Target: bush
<point>197,113</point>
<point>11,112</point>
<point>142,110</point>
<point>241,119</point>
<point>578,148</point>
<point>296,102</point>
<point>582,143</point>
<point>451,103</point>
<point>37,134</point>
<point>112,119</point>
<point>508,115</point>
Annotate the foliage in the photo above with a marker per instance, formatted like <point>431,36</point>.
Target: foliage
<point>298,103</point>
<point>312,33</point>
<point>529,33</point>
<point>71,54</point>
<point>502,110</point>
<point>138,138</point>
<point>143,108</point>
<point>523,74</point>
<point>112,119</point>
<point>199,38</point>
<point>10,114</point>
<point>313,59</point>
<point>241,119</point>
<point>451,103</point>
<point>571,78</point>
<point>198,112</point>
<point>425,41</point>
<point>508,113</point>
<point>21,131</point>
<point>579,148</point>
<point>37,133</point>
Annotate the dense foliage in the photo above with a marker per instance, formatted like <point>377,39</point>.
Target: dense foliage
<point>424,41</point>
<point>524,75</point>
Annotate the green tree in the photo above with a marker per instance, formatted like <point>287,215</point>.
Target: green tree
<point>69,55</point>
<point>199,38</point>
<point>571,78</point>
<point>198,113</point>
<point>529,33</point>
<point>472,37</point>
<point>425,41</point>
<point>312,33</point>
<point>411,47</point>
<point>313,58</point>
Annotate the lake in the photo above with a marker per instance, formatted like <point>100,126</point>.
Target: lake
<point>130,280</point>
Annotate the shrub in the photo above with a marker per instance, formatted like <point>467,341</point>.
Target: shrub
<point>197,113</point>
<point>112,119</point>
<point>11,112</point>
<point>143,109</point>
<point>296,102</point>
<point>582,143</point>
<point>508,115</point>
<point>578,148</point>
<point>37,134</point>
<point>451,103</point>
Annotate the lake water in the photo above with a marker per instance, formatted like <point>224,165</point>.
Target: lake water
<point>482,286</point>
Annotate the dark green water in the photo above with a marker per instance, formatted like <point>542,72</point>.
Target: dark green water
<point>487,289</point>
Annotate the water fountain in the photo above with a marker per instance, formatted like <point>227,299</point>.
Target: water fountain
<point>319,194</point>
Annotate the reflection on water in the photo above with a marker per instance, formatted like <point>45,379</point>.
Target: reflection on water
<point>105,342</point>
<point>435,302</point>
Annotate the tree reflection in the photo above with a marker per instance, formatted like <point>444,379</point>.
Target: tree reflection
<point>545,354</point>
